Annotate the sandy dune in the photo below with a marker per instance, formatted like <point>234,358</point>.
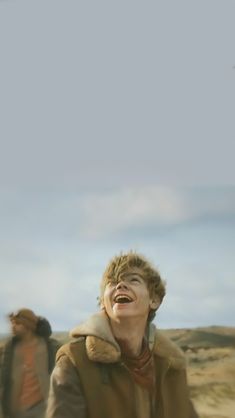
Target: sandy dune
<point>211,369</point>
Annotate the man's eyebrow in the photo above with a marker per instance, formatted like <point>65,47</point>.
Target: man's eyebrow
<point>135,274</point>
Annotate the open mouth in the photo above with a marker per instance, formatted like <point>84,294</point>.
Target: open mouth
<point>123,299</point>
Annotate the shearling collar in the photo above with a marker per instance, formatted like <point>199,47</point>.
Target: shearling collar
<point>101,345</point>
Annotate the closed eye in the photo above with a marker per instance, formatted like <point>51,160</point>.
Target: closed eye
<point>111,283</point>
<point>135,279</point>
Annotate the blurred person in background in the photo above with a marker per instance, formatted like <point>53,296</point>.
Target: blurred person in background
<point>119,364</point>
<point>27,360</point>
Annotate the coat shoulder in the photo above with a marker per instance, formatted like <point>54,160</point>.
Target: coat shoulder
<point>164,347</point>
<point>68,348</point>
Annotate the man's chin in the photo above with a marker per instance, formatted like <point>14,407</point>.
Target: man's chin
<point>123,313</point>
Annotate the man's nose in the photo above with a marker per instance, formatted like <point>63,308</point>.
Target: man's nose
<point>121,285</point>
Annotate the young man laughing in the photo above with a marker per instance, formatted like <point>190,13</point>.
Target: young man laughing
<point>120,366</point>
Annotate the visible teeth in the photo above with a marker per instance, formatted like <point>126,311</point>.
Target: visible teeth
<point>122,299</point>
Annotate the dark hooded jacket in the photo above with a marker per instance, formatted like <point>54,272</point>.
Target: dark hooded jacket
<point>91,381</point>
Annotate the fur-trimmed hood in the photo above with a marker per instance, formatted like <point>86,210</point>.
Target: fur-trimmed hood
<point>101,345</point>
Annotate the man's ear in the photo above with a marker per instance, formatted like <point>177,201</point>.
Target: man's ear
<point>155,302</point>
<point>101,303</point>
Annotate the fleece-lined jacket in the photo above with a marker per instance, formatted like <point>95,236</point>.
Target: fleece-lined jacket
<point>91,381</point>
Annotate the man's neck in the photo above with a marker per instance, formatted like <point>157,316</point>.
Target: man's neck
<point>28,338</point>
<point>130,334</point>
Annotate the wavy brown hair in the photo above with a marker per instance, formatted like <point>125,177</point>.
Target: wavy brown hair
<point>132,262</point>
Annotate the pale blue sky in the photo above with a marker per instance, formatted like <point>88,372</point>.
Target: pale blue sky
<point>117,131</point>
<point>54,249</point>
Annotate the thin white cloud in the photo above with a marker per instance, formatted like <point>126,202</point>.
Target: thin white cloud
<point>119,209</point>
<point>97,215</point>
<point>105,213</point>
